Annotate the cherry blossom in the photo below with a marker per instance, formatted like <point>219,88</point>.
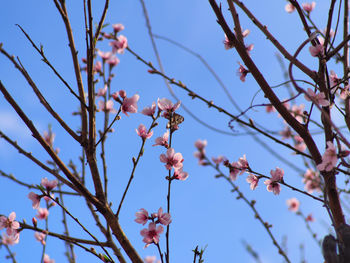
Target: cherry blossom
<point>310,218</point>
<point>106,106</point>
<point>104,55</point>
<point>312,181</point>
<point>180,175</point>
<point>42,213</point>
<point>172,159</point>
<point>227,43</point>
<point>242,72</point>
<point>299,143</point>
<point>293,204</point>
<point>102,92</point>
<point>49,137</point>
<point>218,160</point>
<point>151,259</point>
<point>40,237</point>
<point>329,158</point>
<point>113,61</point>
<point>289,8</point>
<point>249,48</point>
<point>334,80</point>
<point>149,111</point>
<point>122,94</point>
<point>9,223</point>
<point>318,49</point>
<point>119,45</point>
<point>49,185</point>
<point>319,98</point>
<point>35,199</point>
<point>10,239</point>
<point>270,108</point>
<point>163,218</point>
<point>272,184</point>
<point>298,112</point>
<point>142,132</point>
<point>166,105</point>
<point>97,67</point>
<point>47,259</point>
<point>142,216</point>
<point>308,7</point>
<point>286,133</point>
<point>163,140</point>
<point>151,234</point>
<point>200,144</point>
<point>253,180</point>
<point>118,27</point>
<point>234,170</point>
<point>129,104</point>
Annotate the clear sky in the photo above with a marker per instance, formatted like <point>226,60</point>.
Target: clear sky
<point>204,210</point>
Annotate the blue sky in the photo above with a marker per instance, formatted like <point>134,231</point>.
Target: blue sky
<point>204,211</point>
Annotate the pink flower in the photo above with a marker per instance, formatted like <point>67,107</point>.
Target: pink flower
<point>115,95</point>
<point>166,105</point>
<point>289,8</point>
<point>286,133</point>
<point>113,61</point>
<point>142,132</point>
<point>180,175</point>
<point>102,92</point>
<point>142,216</point>
<point>119,45</point>
<point>163,218</point>
<point>329,158</point>
<point>298,112</point>
<point>312,181</point>
<point>249,48</point>
<point>122,94</point>
<point>308,7</point>
<point>317,50</point>
<point>129,104</point>
<point>218,160</point>
<point>242,72</point>
<point>253,180</point>
<point>118,27</point>
<point>316,98</point>
<point>270,108</point>
<point>243,164</point>
<point>151,235</point>
<point>9,223</point>
<point>49,185</point>
<point>234,170</point>
<point>151,259</point>
<point>172,159</point>
<point>40,237</point>
<point>35,199</point>
<point>162,141</point>
<point>10,239</point>
<point>310,218</point>
<point>334,80</point>
<point>49,137</point>
<point>245,32</point>
<point>227,43</point>
<point>106,106</point>
<point>47,259</point>
<point>200,144</point>
<point>149,111</point>
<point>299,143</point>
<point>104,55</point>
<point>97,67</point>
<point>42,213</point>
<point>272,184</point>
<point>293,204</point>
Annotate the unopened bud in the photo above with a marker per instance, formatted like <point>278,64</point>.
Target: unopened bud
<point>35,222</point>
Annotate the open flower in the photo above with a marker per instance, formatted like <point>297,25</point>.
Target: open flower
<point>162,141</point>
<point>129,104</point>
<point>329,158</point>
<point>242,72</point>
<point>253,180</point>
<point>166,105</point>
<point>106,106</point>
<point>172,159</point>
<point>42,213</point>
<point>142,132</point>
<point>119,45</point>
<point>49,185</point>
<point>272,184</point>
<point>142,216</point>
<point>312,181</point>
<point>293,204</point>
<point>40,237</point>
<point>151,234</point>
<point>180,175</point>
<point>308,7</point>
<point>118,27</point>
<point>35,199</point>
<point>10,239</point>
<point>319,98</point>
<point>9,223</point>
<point>163,218</point>
<point>149,111</point>
<point>317,50</point>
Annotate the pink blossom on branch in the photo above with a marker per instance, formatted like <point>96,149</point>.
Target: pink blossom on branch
<point>119,45</point>
<point>47,259</point>
<point>289,8</point>
<point>312,181</point>
<point>293,204</point>
<point>106,106</point>
<point>227,43</point>
<point>253,180</point>
<point>102,92</point>
<point>308,7</point>
<point>329,158</point>
<point>180,175</point>
<point>35,199</point>
<point>10,239</point>
<point>9,223</point>
<point>129,104</point>
<point>42,213</point>
<point>151,234</point>
<point>218,160</point>
<point>149,111</point>
<point>163,218</point>
<point>142,132</point>
<point>272,184</point>
<point>318,49</point>
<point>200,144</point>
<point>242,72</point>
<point>118,27</point>
<point>172,159</point>
<point>162,141</point>
<point>40,237</point>
<point>142,216</point>
<point>49,185</point>
<point>319,98</point>
<point>166,105</point>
